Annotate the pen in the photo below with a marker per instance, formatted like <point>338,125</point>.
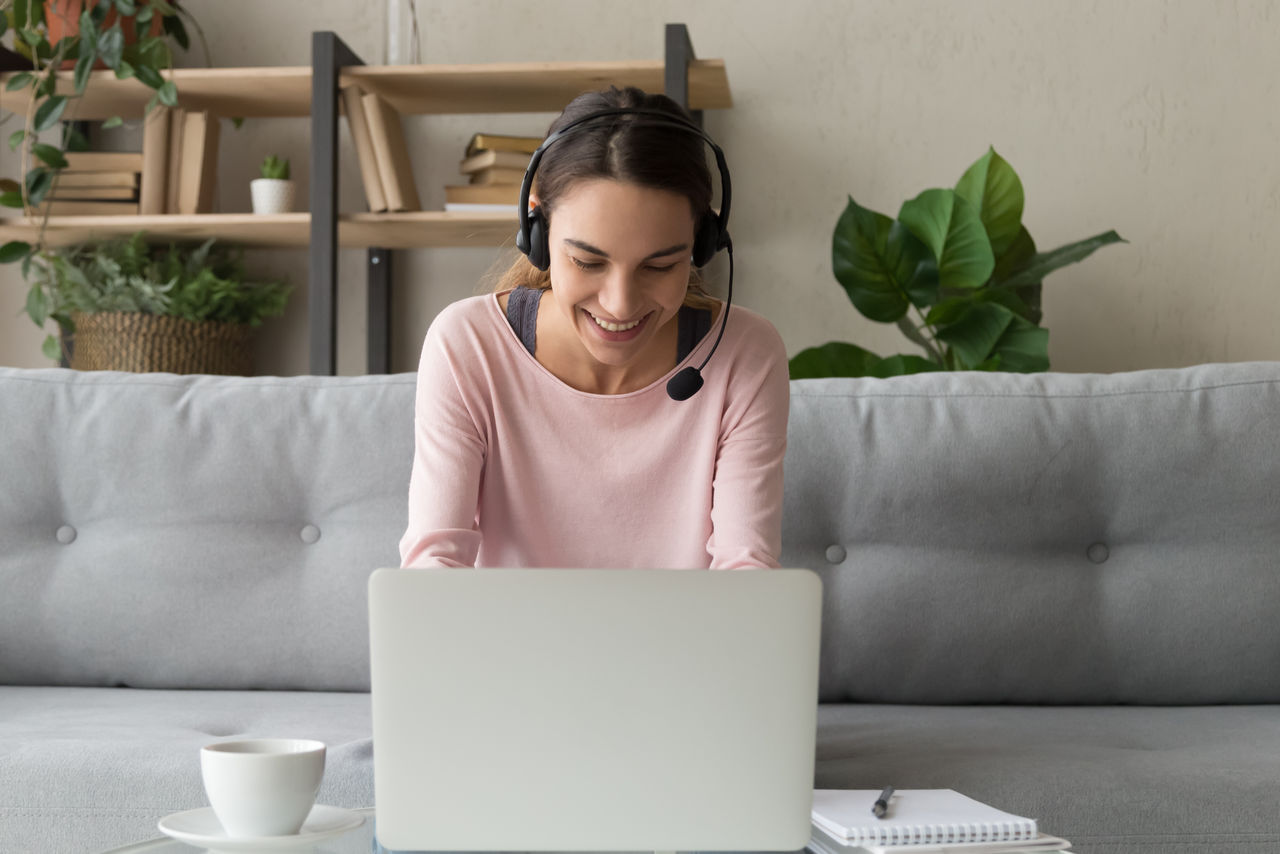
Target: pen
<point>882,803</point>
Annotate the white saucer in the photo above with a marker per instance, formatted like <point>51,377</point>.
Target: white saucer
<point>201,827</point>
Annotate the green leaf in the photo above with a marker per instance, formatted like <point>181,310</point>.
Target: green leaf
<point>168,94</point>
<point>11,199</point>
<point>39,180</point>
<point>37,304</point>
<point>175,29</point>
<point>51,348</point>
<point>16,138</point>
<point>50,154</point>
<point>880,264</point>
<point>1045,263</point>
<point>13,250</point>
<point>149,76</point>
<point>21,14</point>
<point>841,359</point>
<point>50,112</point>
<point>124,71</point>
<point>992,186</point>
<point>128,7</point>
<point>4,25</point>
<point>1023,348</point>
<point>952,229</point>
<point>973,334</point>
<point>19,81</point>
<point>84,65</point>
<point>111,45</point>
<point>113,122</point>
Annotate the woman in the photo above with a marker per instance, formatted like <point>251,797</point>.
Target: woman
<point>544,432</point>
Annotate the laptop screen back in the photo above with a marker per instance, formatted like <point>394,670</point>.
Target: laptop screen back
<point>601,710</point>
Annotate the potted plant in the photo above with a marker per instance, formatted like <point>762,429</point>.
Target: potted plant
<point>273,192</point>
<point>129,37</point>
<point>967,266</point>
<point>126,305</point>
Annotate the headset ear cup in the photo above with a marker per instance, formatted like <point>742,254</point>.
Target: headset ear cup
<point>707,240</point>
<point>539,246</point>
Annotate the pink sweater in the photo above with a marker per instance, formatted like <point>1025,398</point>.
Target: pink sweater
<point>514,468</point>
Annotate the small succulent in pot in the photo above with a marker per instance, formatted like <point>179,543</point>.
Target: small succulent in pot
<point>272,193</point>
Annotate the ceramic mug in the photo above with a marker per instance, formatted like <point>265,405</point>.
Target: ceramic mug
<point>262,786</point>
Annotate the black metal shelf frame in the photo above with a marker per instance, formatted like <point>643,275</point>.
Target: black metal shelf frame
<point>329,55</point>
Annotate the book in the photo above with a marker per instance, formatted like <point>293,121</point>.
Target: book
<point>916,817</point>
<point>821,843</point>
<point>394,166</point>
<point>198,171</point>
<point>58,207</point>
<point>104,161</point>
<point>498,175</point>
<point>502,142</point>
<point>121,194</point>
<point>483,194</point>
<point>359,125</point>
<point>155,161</point>
<point>70,178</point>
<point>494,159</point>
<point>173,176</point>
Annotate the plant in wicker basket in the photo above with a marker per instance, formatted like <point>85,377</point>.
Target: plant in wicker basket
<point>126,305</point>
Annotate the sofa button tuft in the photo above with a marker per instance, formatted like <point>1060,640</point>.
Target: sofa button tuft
<point>1098,552</point>
<point>836,554</point>
<point>66,535</point>
<point>310,534</point>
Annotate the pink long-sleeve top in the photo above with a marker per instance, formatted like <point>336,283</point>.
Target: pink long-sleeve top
<point>512,467</point>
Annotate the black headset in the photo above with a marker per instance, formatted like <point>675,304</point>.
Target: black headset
<point>711,232</point>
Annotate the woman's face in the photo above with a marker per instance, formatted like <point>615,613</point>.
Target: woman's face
<point>620,257</point>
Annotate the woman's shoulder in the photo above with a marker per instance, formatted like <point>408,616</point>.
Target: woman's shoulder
<point>752,332</point>
<point>461,316</point>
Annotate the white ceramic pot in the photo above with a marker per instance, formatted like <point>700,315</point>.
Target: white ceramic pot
<point>271,195</point>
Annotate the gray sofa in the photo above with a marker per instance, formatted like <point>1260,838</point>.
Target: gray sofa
<point>1057,593</point>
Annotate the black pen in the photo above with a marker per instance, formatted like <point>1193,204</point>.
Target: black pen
<point>882,803</point>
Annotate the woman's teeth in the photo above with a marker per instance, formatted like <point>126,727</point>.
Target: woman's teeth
<point>615,327</point>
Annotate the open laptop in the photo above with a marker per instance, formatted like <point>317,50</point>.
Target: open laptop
<point>594,710</point>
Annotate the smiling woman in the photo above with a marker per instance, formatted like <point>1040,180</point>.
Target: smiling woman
<point>546,435</point>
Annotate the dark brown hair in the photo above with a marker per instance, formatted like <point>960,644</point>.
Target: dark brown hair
<point>624,148</point>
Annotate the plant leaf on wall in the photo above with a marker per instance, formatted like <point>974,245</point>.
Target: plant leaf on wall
<point>973,330</point>
<point>992,186</point>
<point>952,228</point>
<point>1019,254</point>
<point>881,265</point>
<point>1046,262</point>
<point>841,359</point>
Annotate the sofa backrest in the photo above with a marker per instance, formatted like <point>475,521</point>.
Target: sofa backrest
<point>983,538</point>
<point>1042,538</point>
<point>196,532</point>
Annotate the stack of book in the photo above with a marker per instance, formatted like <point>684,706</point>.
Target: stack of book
<point>96,183</point>
<point>179,161</point>
<point>495,166</point>
<point>920,821</point>
<point>385,169</point>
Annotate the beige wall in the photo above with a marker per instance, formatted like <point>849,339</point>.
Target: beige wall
<point>1157,119</point>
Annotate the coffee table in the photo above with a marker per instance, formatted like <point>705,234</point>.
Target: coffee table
<point>358,841</point>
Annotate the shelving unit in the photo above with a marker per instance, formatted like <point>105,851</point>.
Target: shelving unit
<point>283,92</point>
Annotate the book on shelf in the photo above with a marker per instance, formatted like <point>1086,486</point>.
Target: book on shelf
<point>173,169</point>
<point>155,161</point>
<point>483,194</point>
<point>490,159</point>
<point>498,175</point>
<point>358,123</point>
<point>62,191</point>
<point>61,207</point>
<point>467,208</point>
<point>392,154</point>
<point>503,142</point>
<point>919,820</point>
<point>198,169</point>
<point>71,178</point>
<point>103,161</point>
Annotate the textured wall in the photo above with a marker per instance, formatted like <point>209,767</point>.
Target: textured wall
<point>1157,119</point>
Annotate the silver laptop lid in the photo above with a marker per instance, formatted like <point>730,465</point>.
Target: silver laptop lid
<point>594,710</point>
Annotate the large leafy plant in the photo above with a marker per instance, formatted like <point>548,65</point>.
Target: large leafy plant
<point>957,271</point>
<point>200,283</point>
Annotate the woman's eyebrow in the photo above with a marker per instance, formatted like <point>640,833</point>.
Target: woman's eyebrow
<point>587,247</point>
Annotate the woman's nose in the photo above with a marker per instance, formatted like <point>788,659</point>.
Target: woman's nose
<point>621,296</point>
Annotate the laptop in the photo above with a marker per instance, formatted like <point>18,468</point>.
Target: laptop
<point>594,710</point>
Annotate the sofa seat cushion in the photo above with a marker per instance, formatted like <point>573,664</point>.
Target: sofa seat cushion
<point>1112,779</point>
<point>85,769</point>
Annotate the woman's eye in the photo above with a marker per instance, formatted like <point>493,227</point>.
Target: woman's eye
<point>586,265</point>
<point>666,269</point>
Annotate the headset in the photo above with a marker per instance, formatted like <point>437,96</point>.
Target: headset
<point>711,233</point>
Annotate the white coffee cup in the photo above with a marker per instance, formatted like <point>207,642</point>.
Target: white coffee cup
<point>262,786</point>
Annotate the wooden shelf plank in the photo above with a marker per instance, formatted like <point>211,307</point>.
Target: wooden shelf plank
<point>412,89</point>
<point>412,230</point>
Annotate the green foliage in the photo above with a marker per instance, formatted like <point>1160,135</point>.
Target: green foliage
<point>198,283</point>
<point>963,260</point>
<point>275,167</point>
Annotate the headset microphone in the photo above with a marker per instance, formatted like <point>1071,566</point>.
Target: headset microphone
<point>685,384</point>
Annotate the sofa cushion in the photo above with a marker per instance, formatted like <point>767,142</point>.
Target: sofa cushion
<point>196,532</point>
<point>1112,780</point>
<point>85,769</point>
<point>1042,538</point>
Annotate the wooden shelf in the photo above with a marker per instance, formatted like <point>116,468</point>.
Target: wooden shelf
<point>414,230</point>
<point>528,87</point>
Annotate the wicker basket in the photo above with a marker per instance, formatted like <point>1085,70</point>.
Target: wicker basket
<point>143,343</point>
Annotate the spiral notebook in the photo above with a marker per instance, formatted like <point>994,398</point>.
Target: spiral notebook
<point>916,817</point>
